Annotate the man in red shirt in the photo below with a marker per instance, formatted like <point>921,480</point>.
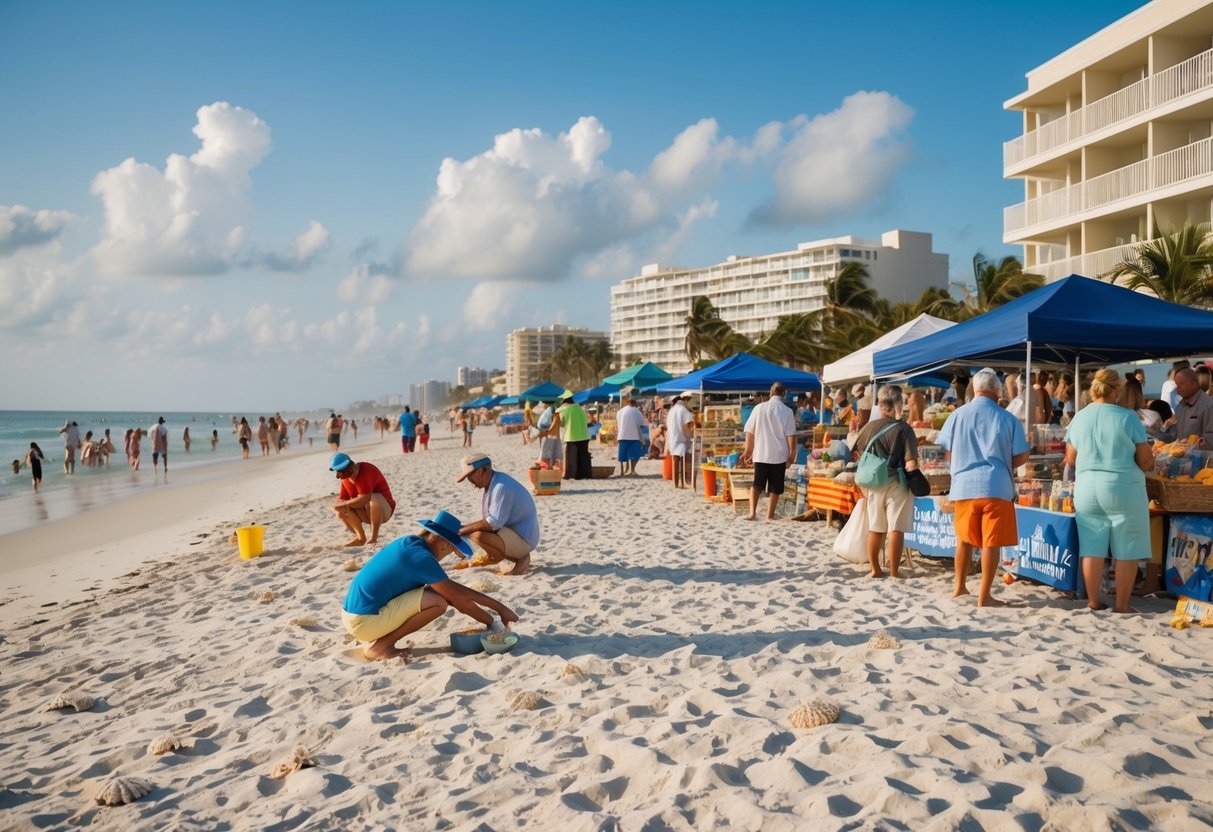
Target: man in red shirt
<point>365,498</point>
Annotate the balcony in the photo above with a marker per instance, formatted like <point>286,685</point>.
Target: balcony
<point>1131,103</point>
<point>1134,182</point>
<point>1094,264</point>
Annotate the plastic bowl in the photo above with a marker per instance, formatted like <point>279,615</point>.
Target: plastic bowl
<point>504,644</point>
<point>466,643</point>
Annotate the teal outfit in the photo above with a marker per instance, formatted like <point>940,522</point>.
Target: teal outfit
<point>1110,505</point>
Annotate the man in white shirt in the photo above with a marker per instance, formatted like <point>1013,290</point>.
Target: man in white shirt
<point>679,424</point>
<point>629,422</point>
<point>770,443</point>
<point>160,445</point>
<point>1169,394</point>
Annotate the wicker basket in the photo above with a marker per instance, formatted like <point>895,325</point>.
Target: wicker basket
<point>602,472</point>
<point>1175,496</point>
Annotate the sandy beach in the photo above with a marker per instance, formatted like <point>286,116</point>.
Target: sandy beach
<point>665,641</point>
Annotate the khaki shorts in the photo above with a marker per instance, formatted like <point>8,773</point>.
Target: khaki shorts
<point>515,546</point>
<point>890,508</point>
<point>390,616</point>
<point>385,508</point>
<point>986,522</point>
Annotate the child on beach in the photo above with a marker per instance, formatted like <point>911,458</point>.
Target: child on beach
<point>403,588</point>
<point>34,460</point>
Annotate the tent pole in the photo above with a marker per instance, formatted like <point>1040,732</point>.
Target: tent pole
<point>1028,396</point>
<point>1074,390</point>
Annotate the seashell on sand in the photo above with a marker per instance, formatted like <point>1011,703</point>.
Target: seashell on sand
<point>268,596</point>
<point>814,714</point>
<point>351,565</point>
<point>526,700</point>
<point>76,701</point>
<point>571,670</point>
<point>302,758</point>
<point>118,790</point>
<point>884,640</point>
<point>304,621</point>
<point>484,585</point>
<point>165,743</point>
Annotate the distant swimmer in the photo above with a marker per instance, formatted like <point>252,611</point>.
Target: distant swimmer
<point>185,438</point>
<point>214,439</point>
<point>160,444</point>
<point>71,442</point>
<point>34,460</point>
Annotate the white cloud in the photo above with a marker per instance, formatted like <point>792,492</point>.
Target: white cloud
<point>21,227</point>
<point>694,159</point>
<point>365,283</point>
<point>303,251</point>
<point>839,162</point>
<point>491,303</point>
<point>188,219</point>
<point>36,284</point>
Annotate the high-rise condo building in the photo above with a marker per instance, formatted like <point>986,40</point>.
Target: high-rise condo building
<point>1116,141</point>
<point>471,376</point>
<point>527,349</point>
<point>429,396</point>
<point>648,313</point>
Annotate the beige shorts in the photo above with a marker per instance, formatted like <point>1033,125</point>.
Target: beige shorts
<point>385,508</point>
<point>890,508</point>
<point>390,616</point>
<point>515,546</point>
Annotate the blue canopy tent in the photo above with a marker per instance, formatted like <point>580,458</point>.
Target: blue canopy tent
<point>741,373</point>
<point>492,401</point>
<point>601,394</point>
<point>643,376</point>
<point>473,404</point>
<point>509,401</point>
<point>545,392</point>
<point>1074,320</point>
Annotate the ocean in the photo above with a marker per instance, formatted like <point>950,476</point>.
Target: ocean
<point>92,487</point>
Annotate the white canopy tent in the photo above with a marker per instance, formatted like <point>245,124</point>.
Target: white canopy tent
<point>858,365</point>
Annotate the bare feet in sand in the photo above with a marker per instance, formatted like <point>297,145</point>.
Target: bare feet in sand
<point>391,651</point>
<point>958,593</point>
<point>876,573</point>
<point>357,541</point>
<point>520,566</point>
<point>990,602</point>
<point>1126,611</point>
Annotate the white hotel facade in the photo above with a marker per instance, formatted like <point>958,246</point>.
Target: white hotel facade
<point>648,312</point>
<point>1116,142</point>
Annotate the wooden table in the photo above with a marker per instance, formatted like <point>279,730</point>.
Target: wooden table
<point>831,496</point>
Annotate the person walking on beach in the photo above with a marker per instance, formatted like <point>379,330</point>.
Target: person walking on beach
<point>160,444</point>
<point>34,460</point>
<point>354,428</point>
<point>403,588</point>
<point>629,426</point>
<point>985,444</point>
<point>423,434</point>
<point>408,430</point>
<point>509,526</point>
<point>245,435</point>
<point>137,435</point>
<point>770,445</point>
<point>332,429</point>
<point>465,424</point>
<point>185,438</point>
<point>71,442</point>
<point>263,436</point>
<point>364,498</point>
<point>678,427</point>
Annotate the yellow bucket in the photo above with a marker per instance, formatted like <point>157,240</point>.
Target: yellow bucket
<point>251,540</point>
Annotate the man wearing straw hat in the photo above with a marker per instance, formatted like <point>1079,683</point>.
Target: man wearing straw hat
<point>509,528</point>
<point>365,498</point>
<point>403,588</point>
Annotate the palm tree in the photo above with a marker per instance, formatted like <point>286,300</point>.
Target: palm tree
<point>1173,266</point>
<point>708,334</point>
<point>997,283</point>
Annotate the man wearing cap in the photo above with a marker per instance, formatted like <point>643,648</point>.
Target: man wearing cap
<point>575,431</point>
<point>509,528</point>
<point>629,426</point>
<point>365,498</point>
<point>403,588</point>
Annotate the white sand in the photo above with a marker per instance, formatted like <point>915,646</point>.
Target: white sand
<point>697,634</point>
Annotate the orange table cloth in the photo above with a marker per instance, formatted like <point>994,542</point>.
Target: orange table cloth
<point>828,495</point>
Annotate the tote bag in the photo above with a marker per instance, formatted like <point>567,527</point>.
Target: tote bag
<point>852,542</point>
<point>872,470</point>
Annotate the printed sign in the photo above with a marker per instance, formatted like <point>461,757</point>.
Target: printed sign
<point>1048,548</point>
<point>934,534</point>
<point>1190,556</point>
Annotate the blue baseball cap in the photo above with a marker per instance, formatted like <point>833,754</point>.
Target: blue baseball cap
<point>340,462</point>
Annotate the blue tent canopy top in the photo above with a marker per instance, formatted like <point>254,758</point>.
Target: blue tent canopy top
<point>545,392</point>
<point>741,372</point>
<point>601,394</point>
<point>1075,318</point>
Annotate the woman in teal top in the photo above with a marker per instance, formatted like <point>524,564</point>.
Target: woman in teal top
<point>1107,445</point>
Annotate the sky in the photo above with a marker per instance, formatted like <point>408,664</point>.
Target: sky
<point>291,206</point>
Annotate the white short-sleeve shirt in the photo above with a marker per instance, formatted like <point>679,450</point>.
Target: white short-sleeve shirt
<point>771,422</point>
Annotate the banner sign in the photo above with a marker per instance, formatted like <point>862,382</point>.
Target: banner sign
<point>1190,556</point>
<point>934,534</point>
<point>1048,548</point>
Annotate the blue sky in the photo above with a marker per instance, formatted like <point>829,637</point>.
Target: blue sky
<point>296,205</point>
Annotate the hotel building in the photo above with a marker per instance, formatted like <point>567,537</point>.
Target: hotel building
<point>429,396</point>
<point>648,313</point>
<point>528,349</point>
<point>1116,141</point>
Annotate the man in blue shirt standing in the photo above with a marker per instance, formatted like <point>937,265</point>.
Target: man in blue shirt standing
<point>509,529</point>
<point>985,444</point>
<point>408,430</point>
<point>403,588</point>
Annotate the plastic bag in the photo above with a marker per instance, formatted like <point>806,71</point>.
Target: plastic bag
<point>852,542</point>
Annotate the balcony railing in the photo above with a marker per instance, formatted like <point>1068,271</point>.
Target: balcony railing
<point>1190,76</point>
<point>1093,264</point>
<point>1138,179</point>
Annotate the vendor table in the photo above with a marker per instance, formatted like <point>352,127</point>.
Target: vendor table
<point>830,496</point>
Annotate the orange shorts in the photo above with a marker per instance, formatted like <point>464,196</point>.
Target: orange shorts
<point>986,522</point>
